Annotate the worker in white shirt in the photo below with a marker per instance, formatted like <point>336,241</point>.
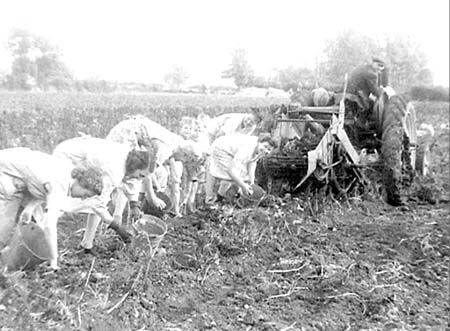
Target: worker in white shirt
<point>42,186</point>
<point>233,161</point>
<point>123,169</point>
<point>172,153</point>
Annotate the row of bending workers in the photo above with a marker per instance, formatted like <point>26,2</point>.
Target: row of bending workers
<point>83,174</point>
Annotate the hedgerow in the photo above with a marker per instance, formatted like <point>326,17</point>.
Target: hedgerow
<point>429,93</point>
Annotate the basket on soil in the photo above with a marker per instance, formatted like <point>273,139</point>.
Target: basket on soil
<point>150,231</point>
<point>246,201</point>
<point>28,248</point>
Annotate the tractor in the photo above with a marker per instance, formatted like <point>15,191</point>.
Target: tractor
<point>341,146</point>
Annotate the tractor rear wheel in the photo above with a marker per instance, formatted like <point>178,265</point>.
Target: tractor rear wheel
<point>395,150</point>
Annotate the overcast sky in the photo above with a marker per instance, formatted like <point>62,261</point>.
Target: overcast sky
<point>142,40</point>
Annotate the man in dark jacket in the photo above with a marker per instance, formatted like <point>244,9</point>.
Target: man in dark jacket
<point>364,80</point>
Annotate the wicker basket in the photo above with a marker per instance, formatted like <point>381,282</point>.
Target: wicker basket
<point>279,165</point>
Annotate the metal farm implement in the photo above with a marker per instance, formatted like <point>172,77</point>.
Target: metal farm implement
<point>339,147</point>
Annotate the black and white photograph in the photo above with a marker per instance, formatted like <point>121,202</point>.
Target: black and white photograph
<point>224,165</point>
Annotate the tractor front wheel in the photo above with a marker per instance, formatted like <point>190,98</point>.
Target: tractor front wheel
<point>423,160</point>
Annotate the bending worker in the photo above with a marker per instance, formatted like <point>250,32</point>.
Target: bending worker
<point>120,167</point>
<point>233,160</point>
<point>39,185</point>
<point>172,152</point>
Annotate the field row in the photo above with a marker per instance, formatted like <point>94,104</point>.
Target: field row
<point>19,101</point>
<point>42,120</point>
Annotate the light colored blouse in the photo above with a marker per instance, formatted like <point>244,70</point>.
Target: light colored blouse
<point>239,149</point>
<point>32,170</point>
<point>108,156</point>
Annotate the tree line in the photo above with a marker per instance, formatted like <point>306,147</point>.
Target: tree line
<point>37,64</point>
<point>406,62</point>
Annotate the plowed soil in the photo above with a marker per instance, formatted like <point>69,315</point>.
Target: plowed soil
<point>293,263</point>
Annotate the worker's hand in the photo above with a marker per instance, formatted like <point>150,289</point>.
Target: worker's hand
<point>135,211</point>
<point>117,219</point>
<point>159,203</point>
<point>247,189</point>
<point>389,91</point>
<point>25,217</point>
<point>49,270</point>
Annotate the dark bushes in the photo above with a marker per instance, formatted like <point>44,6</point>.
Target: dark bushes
<point>429,93</point>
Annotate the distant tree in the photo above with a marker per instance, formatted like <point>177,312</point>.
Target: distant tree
<point>343,54</point>
<point>259,81</point>
<point>292,78</point>
<point>239,69</point>
<point>35,63</point>
<point>425,77</point>
<point>94,85</point>
<point>407,64</point>
<point>176,78</point>
<point>23,74</point>
<point>3,75</point>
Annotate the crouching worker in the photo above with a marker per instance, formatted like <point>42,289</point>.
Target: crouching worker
<point>233,160</point>
<point>39,185</point>
<point>123,171</point>
<point>171,153</point>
